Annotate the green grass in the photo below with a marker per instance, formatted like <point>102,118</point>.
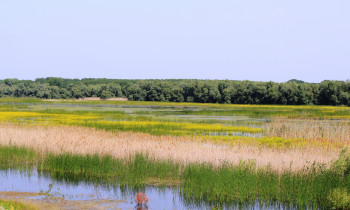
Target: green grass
<point>137,170</point>
<point>315,186</point>
<point>244,184</point>
<point>14,205</point>
<point>256,111</point>
<point>166,108</point>
<point>17,157</point>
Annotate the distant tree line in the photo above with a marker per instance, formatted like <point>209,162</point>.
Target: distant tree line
<point>293,92</point>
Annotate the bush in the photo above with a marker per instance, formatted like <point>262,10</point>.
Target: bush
<point>341,166</point>
<point>340,199</point>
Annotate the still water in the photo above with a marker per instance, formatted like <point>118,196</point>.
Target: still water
<point>159,197</point>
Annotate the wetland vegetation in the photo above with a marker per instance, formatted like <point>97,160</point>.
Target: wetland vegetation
<point>214,153</point>
<point>243,183</point>
<point>15,205</point>
<point>315,186</point>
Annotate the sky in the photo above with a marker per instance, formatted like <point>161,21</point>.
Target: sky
<point>269,40</point>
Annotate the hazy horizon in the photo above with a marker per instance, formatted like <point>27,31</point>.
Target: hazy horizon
<point>346,80</point>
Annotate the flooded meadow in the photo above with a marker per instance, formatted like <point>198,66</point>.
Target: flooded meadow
<point>100,154</point>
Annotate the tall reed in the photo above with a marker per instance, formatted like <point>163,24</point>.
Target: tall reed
<point>121,145</point>
<point>13,156</point>
<point>315,186</point>
<point>317,130</point>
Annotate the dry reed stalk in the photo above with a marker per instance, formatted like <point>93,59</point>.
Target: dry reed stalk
<point>310,129</point>
<point>81,140</point>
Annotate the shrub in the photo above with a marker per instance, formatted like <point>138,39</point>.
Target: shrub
<point>341,166</point>
<point>340,199</point>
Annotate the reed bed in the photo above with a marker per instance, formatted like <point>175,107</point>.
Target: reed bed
<point>121,145</point>
<point>315,186</point>
<point>17,157</point>
<point>311,188</point>
<point>274,139</point>
<point>316,130</point>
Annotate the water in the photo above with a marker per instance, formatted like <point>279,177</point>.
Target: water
<point>159,197</point>
<point>257,135</point>
<point>17,181</point>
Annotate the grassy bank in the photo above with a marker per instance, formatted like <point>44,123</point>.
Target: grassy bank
<point>14,205</point>
<point>316,186</point>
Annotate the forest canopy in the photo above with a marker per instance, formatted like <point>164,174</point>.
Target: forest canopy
<point>293,92</point>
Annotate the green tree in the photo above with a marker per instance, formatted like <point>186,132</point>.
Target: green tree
<point>329,93</point>
<point>55,81</point>
<point>42,91</point>
<point>106,94</point>
<point>177,94</point>
<point>135,93</point>
<point>115,90</point>
<point>77,92</point>
<point>272,93</point>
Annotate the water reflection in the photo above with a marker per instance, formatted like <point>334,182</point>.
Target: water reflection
<point>75,190</point>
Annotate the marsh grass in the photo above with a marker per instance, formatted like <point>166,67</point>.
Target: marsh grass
<point>263,111</point>
<point>137,170</point>
<point>15,157</point>
<point>116,122</point>
<point>121,145</point>
<point>290,111</point>
<point>314,186</point>
<point>316,130</point>
<point>163,119</point>
<point>244,183</point>
<point>140,143</point>
<point>15,205</point>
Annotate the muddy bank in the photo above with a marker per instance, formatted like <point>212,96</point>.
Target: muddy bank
<point>45,201</point>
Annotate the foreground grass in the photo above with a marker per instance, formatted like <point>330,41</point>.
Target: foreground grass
<point>14,205</point>
<point>136,170</point>
<point>17,157</point>
<point>315,186</point>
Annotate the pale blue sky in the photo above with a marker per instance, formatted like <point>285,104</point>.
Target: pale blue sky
<point>258,40</point>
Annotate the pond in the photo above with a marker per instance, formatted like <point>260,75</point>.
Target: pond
<point>110,197</point>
